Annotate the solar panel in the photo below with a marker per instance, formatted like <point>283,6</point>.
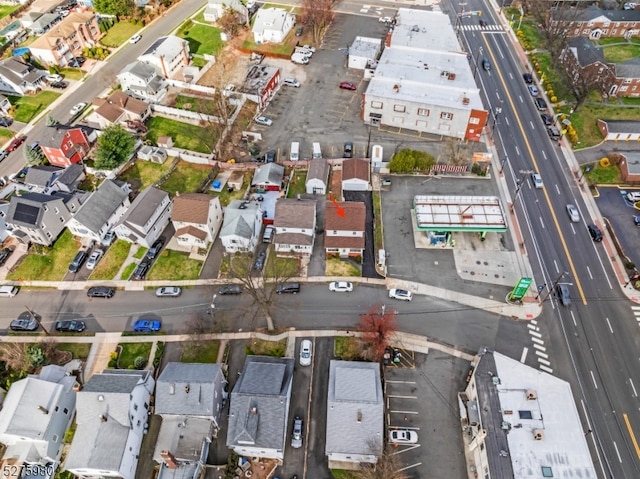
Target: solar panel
<point>26,213</point>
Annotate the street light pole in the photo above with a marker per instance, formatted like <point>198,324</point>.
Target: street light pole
<point>497,110</point>
<point>519,184</point>
<point>553,286</point>
<point>475,71</point>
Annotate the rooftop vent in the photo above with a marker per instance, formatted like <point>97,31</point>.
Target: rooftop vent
<point>538,434</point>
<point>396,88</point>
<point>253,410</point>
<point>187,389</point>
<point>359,416</point>
<point>43,410</point>
<point>532,394</point>
<point>103,418</point>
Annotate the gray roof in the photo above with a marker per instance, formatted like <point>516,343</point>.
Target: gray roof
<point>152,78</point>
<point>628,69</point>
<point>318,170</point>
<point>187,389</point>
<point>592,12</point>
<point>622,126</point>
<point>115,381</point>
<point>258,409</point>
<point>100,206</point>
<point>269,174</point>
<point>355,408</point>
<point>144,206</point>
<point>168,46</point>
<point>44,21</point>
<point>585,51</point>
<point>43,176</point>
<point>238,221</point>
<point>17,71</point>
<point>633,161</point>
<point>27,209</point>
<point>71,174</point>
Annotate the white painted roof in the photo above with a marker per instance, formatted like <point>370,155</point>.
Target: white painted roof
<point>458,211</point>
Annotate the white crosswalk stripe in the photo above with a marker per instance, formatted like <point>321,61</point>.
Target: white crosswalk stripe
<point>494,28</point>
<point>539,348</point>
<point>636,313</point>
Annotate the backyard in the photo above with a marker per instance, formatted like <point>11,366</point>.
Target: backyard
<point>184,135</point>
<point>119,34</point>
<point>186,178</point>
<point>203,39</point>
<point>28,107</point>
<point>145,173</point>
<point>297,184</point>
<point>51,265</point>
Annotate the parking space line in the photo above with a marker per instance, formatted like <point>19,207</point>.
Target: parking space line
<point>391,381</point>
<point>410,467</point>
<point>393,411</point>
<point>402,397</point>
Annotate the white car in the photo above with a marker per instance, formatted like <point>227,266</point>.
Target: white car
<point>385,20</point>
<point>403,436</point>
<point>402,294</point>
<point>537,180</point>
<point>168,292</point>
<point>263,120</point>
<point>291,82</point>
<point>305,352</point>
<point>135,39</point>
<point>633,196</point>
<point>53,78</point>
<point>341,286</point>
<point>77,108</point>
<point>95,257</point>
<point>310,48</point>
<point>572,211</point>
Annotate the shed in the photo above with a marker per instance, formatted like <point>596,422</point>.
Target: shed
<point>364,52</point>
<point>317,177</point>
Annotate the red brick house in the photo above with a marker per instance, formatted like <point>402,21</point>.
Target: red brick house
<point>64,147</point>
<point>344,226</point>
<point>593,22</point>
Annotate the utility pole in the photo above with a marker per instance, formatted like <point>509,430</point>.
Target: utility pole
<point>519,184</point>
<point>475,71</point>
<point>553,286</point>
<point>37,318</point>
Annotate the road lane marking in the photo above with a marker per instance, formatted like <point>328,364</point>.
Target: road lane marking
<point>573,318</point>
<point>593,378</point>
<point>589,271</point>
<point>557,189</point>
<point>631,434</point>
<point>635,393</point>
<point>536,340</point>
<point>542,355</point>
<point>544,361</point>
<point>540,347</point>
<point>546,369</point>
<point>532,326</point>
<point>555,263</point>
<point>609,324</point>
<point>617,452</point>
<point>542,222</point>
<point>535,334</point>
<point>523,357</point>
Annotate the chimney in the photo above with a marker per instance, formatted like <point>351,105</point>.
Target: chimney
<point>103,418</point>
<point>43,410</point>
<point>186,389</point>
<point>122,102</point>
<point>169,459</point>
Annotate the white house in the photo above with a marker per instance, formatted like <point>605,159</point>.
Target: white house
<point>119,108</point>
<point>241,226</point>
<point>317,177</point>
<point>268,177</point>
<point>355,414</point>
<point>146,218</point>
<point>168,55</point>
<point>113,408</point>
<point>259,408</point>
<point>272,25</point>
<point>356,175</point>
<point>295,225</point>
<point>17,77</point>
<point>344,226</point>
<point>197,218</point>
<point>36,412</point>
<point>101,211</point>
<point>217,8</point>
<point>143,81</point>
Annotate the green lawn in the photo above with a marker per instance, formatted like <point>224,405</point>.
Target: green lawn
<point>601,176</point>
<point>141,252</point>
<point>203,39</point>
<point>119,34</point>
<point>128,271</point>
<point>79,350</point>
<point>184,135</point>
<point>377,227</point>
<point>297,186</point>
<point>130,351</point>
<point>28,107</point>
<point>226,197</point>
<point>584,121</point>
<point>281,267</point>
<point>621,53</point>
<point>71,73</point>
<point>186,178</point>
<point>530,31</point>
<point>5,135</point>
<point>145,173</point>
<point>200,352</point>
<point>110,264</point>
<point>557,79</point>
<point>189,103</point>
<point>174,265</point>
<point>7,10</point>
<point>50,266</point>
<point>260,347</point>
<point>343,474</point>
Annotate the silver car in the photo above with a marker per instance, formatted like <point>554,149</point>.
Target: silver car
<point>572,211</point>
<point>263,120</point>
<point>95,257</point>
<point>168,292</point>
<point>296,436</point>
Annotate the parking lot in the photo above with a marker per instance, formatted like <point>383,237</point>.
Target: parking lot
<point>620,212</point>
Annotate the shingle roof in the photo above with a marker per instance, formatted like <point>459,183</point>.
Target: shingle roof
<point>628,69</point>
<point>100,206</point>
<point>27,209</point>
<point>63,29</point>
<point>187,389</point>
<point>292,213</point>
<point>192,208</point>
<point>269,174</point>
<point>585,51</point>
<point>592,12</point>
<point>191,231</point>
<point>71,174</point>
<point>355,168</point>
<point>17,71</point>
<point>238,221</point>
<point>144,206</point>
<point>168,46</point>
<point>43,176</point>
<point>622,126</point>
<point>318,170</point>
<point>353,218</point>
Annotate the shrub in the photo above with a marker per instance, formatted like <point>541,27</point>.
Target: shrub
<point>139,362</point>
<point>554,99</point>
<point>604,162</point>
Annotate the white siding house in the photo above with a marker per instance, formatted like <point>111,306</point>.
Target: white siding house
<point>317,177</point>
<point>241,226</point>
<point>146,218</point>
<point>197,218</point>
<point>295,225</point>
<point>272,25</point>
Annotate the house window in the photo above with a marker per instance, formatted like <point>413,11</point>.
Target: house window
<point>482,446</point>
<point>474,121</point>
<point>45,207</point>
<point>54,438</point>
<point>399,108</point>
<point>624,88</point>
<point>376,104</point>
<point>61,219</point>
<point>627,80</point>
<point>56,211</point>
<point>43,226</point>
<point>146,406</point>
<point>446,116</point>
<point>354,233</point>
<point>138,424</point>
<point>57,408</point>
<point>423,111</point>
<point>135,407</point>
<point>65,410</point>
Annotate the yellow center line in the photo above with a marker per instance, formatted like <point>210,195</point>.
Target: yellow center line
<point>576,279</point>
<point>631,434</point>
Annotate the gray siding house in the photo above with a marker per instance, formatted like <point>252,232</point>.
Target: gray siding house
<point>146,218</point>
<point>142,81</point>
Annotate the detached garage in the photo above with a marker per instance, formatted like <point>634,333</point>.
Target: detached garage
<point>268,177</point>
<point>356,175</point>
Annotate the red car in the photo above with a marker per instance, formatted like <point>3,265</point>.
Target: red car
<point>347,85</point>
<point>16,142</point>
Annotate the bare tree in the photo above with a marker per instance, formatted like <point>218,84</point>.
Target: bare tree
<point>454,153</point>
<point>388,466</point>
<point>318,15</point>
<point>231,22</point>
<point>377,326</point>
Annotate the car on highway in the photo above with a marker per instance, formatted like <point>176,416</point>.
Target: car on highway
<point>486,64</point>
<point>94,259</point>
<point>147,325</point>
<point>259,262</point>
<point>553,132</point>
<point>403,436</point>
<point>533,90</point>
<point>595,233</point>
<point>541,105</point>
<point>77,108</point>
<point>291,82</point>
<point>135,39</point>
<point>341,286</point>
<point>536,179</point>
<point>528,78</point>
<point>77,262</point>
<point>401,294</point>
<point>141,270</point>
<point>633,196</point>
<point>230,289</point>
<point>4,255</point>
<point>572,211</point>
<point>347,85</point>
<point>482,23</point>
<point>59,85</point>
<point>168,292</point>
<point>305,352</point>
<point>26,321</point>
<point>16,142</point>
<point>562,292</point>
<point>348,150</point>
<point>296,435</point>
<point>155,248</point>
<point>101,292</point>
<point>71,326</point>
<point>263,120</point>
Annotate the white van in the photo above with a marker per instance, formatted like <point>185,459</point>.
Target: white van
<point>317,153</point>
<point>8,291</point>
<point>294,155</point>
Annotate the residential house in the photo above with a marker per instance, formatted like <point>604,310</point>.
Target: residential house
<point>119,109</point>
<point>295,225</point>
<point>40,218</point>
<point>241,226</point>
<point>259,408</point>
<point>4,229</point>
<point>69,179</point>
<point>268,177</point>
<point>111,419</point>
<point>190,398</point>
<point>65,146</point>
<point>594,22</point>
<point>146,218</point>
<point>143,81</point>
<point>344,228</point>
<point>101,211</point>
<point>217,8</point>
<point>168,55</point>
<point>355,414</point>
<point>41,179</point>
<point>516,418</point>
<point>272,25</point>
<point>317,177</point>
<point>17,77</point>
<point>356,175</point>
<point>67,39</point>
<point>5,105</point>
<point>42,22</point>
<point>35,415</point>
<point>196,218</point>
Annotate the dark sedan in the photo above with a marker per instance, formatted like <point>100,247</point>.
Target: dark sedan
<point>230,289</point>
<point>70,326</point>
<point>26,321</point>
<point>141,270</point>
<point>101,292</point>
<point>4,255</point>
<point>259,263</point>
<point>155,248</point>
<point>59,85</point>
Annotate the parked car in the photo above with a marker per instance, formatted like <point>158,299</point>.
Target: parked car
<point>16,142</point>
<point>72,326</point>
<point>348,150</point>
<point>288,288</point>
<point>401,294</point>
<point>108,238</point>
<point>546,119</point>
<point>78,261</point>
<point>562,291</point>
<point>135,39</point>
<point>270,156</point>
<point>541,105</point>
<point>341,286</point>
<point>291,82</point>
<point>229,289</point>
<point>155,248</point>
<point>533,90</point>
<point>6,121</point>
<point>3,154</point>
<point>636,220</point>
<point>385,182</point>
<point>572,211</point>
<point>4,255</point>
<point>296,435</point>
<point>101,292</point>
<point>77,108</point>
<point>310,48</point>
<point>141,270</point>
<point>95,257</point>
<point>385,20</point>
<point>536,179</point>
<point>26,321</point>
<point>259,262</point>
<point>633,196</point>
<point>54,77</point>
<point>305,352</point>
<point>347,85</point>
<point>147,325</point>
<point>403,436</point>
<point>60,85</point>
<point>168,292</point>
<point>594,231</point>
<point>263,120</point>
<point>528,78</point>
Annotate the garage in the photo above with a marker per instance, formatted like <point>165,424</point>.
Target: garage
<point>356,175</point>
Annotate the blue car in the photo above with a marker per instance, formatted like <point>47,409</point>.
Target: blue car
<point>147,326</point>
